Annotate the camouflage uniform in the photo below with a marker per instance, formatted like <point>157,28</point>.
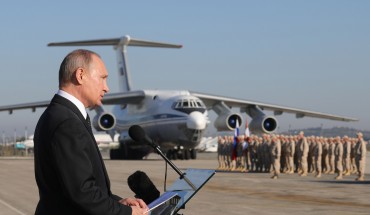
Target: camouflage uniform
<point>325,155</point>
<point>318,157</point>
<point>303,145</point>
<point>331,156</point>
<point>353,156</point>
<point>275,155</point>
<point>338,152</point>
<point>266,153</point>
<point>290,150</point>
<point>347,156</point>
<point>360,157</point>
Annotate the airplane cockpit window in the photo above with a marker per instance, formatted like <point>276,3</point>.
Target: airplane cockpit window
<point>189,105</point>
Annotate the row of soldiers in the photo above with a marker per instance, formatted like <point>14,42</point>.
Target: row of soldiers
<point>289,154</point>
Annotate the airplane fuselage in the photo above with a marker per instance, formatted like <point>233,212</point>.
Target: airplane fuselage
<point>170,118</point>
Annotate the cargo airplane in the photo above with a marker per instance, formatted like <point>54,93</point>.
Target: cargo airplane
<point>175,120</point>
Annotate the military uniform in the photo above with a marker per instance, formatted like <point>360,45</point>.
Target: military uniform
<point>331,157</point>
<point>347,156</point>
<point>275,155</point>
<point>297,155</point>
<point>266,154</point>
<point>360,157</point>
<point>221,162</point>
<point>260,155</point>
<point>325,155</point>
<point>338,152</point>
<point>318,157</point>
<point>303,155</point>
<point>311,156</point>
<point>353,156</point>
<point>290,150</point>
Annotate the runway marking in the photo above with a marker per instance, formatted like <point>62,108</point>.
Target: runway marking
<point>12,208</point>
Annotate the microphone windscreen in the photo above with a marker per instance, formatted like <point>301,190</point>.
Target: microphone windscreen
<point>136,133</point>
<point>143,187</point>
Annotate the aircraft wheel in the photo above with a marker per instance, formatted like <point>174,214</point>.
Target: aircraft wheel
<point>186,154</point>
<point>113,154</point>
<point>123,151</point>
<point>193,154</point>
<point>168,154</point>
<point>120,153</point>
<point>174,154</point>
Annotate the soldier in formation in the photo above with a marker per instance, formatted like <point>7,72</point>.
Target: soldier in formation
<point>293,154</point>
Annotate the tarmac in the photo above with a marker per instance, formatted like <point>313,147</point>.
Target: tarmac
<point>225,193</point>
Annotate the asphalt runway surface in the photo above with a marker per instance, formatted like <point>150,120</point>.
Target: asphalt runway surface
<point>225,193</point>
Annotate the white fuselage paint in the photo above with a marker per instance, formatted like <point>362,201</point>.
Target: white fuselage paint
<point>162,122</point>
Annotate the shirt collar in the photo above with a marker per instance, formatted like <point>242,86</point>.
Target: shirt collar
<point>75,101</point>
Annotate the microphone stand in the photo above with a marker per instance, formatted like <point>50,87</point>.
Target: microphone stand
<point>181,174</point>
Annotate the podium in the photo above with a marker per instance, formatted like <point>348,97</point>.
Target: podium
<point>180,192</point>
<point>184,188</point>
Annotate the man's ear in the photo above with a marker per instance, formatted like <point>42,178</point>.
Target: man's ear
<point>79,75</point>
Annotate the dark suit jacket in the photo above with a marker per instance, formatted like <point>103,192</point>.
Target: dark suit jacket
<point>69,169</point>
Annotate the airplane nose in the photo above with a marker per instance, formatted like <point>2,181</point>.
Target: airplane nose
<point>196,120</point>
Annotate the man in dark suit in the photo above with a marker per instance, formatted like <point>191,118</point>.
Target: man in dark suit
<point>69,170</point>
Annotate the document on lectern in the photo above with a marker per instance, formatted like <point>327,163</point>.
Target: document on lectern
<point>180,192</point>
<point>161,200</point>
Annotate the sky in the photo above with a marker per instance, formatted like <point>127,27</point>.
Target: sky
<point>304,54</point>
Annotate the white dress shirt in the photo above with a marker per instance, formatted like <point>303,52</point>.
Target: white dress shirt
<point>75,101</point>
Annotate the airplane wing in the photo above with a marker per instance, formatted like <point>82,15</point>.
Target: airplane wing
<point>208,99</point>
<point>109,99</point>
<point>211,100</point>
<point>32,105</point>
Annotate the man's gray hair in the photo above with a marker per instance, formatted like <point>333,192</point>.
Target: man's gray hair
<point>80,58</point>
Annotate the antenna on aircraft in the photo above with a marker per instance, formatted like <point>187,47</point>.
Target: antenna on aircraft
<point>119,45</point>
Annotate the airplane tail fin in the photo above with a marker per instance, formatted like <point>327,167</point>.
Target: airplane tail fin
<point>120,45</point>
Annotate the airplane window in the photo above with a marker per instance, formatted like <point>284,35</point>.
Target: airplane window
<point>200,104</point>
<point>175,105</point>
<point>189,105</point>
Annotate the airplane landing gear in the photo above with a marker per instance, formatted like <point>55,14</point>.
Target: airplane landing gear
<point>183,154</point>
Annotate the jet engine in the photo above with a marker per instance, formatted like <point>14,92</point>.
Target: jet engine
<point>263,124</point>
<point>227,121</point>
<point>104,121</point>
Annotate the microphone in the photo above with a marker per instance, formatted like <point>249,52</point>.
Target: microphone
<point>138,134</point>
<point>143,187</point>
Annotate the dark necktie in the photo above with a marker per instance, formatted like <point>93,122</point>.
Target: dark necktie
<point>88,122</point>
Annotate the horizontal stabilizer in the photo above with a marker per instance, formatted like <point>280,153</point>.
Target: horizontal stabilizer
<point>124,41</point>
